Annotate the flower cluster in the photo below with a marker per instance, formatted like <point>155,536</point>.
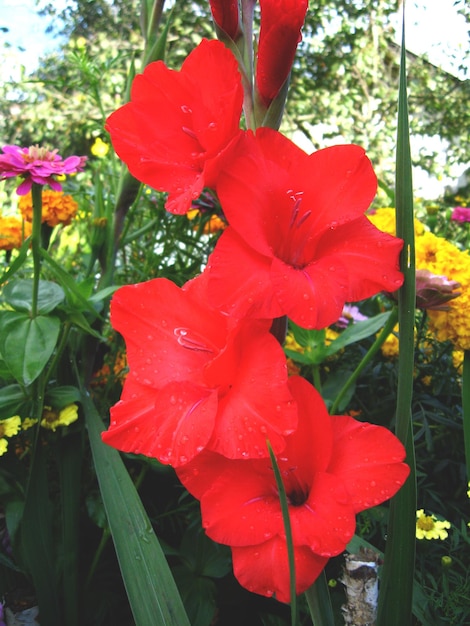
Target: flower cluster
<point>460,214</point>
<point>37,165</point>
<point>57,207</point>
<point>448,271</point>
<point>208,384</point>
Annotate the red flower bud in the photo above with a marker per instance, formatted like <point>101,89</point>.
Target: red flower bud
<point>226,16</point>
<point>281,21</point>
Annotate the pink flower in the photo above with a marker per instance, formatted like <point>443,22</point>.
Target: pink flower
<point>460,214</point>
<point>37,165</point>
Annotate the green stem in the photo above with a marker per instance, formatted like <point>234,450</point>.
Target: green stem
<point>58,351</point>
<point>316,377</point>
<point>96,559</point>
<point>36,194</point>
<point>319,602</point>
<point>375,347</point>
<point>289,540</point>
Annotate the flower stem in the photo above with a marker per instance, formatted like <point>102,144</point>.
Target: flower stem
<point>385,332</point>
<point>36,194</point>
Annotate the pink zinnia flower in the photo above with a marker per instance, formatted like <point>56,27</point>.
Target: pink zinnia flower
<point>37,165</point>
<point>460,214</point>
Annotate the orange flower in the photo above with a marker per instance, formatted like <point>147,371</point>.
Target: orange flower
<point>57,208</point>
<point>13,232</point>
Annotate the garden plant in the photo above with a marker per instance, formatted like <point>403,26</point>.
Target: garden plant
<point>234,379</point>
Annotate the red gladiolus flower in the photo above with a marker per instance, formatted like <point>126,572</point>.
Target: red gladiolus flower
<point>37,165</point>
<point>298,243</point>
<point>281,21</point>
<point>178,125</point>
<point>332,468</point>
<point>195,381</point>
<point>226,16</point>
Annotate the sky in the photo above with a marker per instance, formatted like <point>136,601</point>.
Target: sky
<point>432,27</point>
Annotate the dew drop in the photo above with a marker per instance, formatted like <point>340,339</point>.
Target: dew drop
<point>186,109</point>
<point>183,459</point>
<point>212,125</point>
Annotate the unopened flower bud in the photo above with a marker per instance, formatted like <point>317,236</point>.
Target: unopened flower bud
<point>433,292</point>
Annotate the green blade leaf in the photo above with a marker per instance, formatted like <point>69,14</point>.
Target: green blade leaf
<point>357,332</point>
<point>26,344</point>
<point>396,595</point>
<point>152,592</point>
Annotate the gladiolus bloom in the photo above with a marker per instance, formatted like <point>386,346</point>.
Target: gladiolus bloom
<point>37,165</point>
<point>281,21</point>
<point>298,243</point>
<point>332,468</point>
<point>226,16</point>
<point>194,380</point>
<point>178,125</point>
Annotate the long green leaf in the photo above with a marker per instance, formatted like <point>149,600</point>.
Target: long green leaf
<point>395,599</point>
<point>152,592</point>
<point>466,407</point>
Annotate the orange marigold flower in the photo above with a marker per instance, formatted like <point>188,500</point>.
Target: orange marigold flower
<point>57,207</point>
<point>13,232</point>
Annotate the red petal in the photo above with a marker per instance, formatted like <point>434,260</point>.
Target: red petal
<point>172,424</point>
<point>254,399</point>
<point>326,521</point>
<point>370,256</point>
<point>368,459</point>
<point>314,296</point>
<point>242,506</point>
<point>169,334</point>
<point>239,279</point>
<point>264,568</point>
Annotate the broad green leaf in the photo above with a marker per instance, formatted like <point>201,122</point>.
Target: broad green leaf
<point>26,344</point>
<point>152,592</point>
<point>357,332</point>
<point>18,294</point>
<point>11,398</point>
<point>60,397</point>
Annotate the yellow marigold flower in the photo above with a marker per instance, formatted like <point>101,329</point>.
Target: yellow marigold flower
<point>291,344</point>
<point>53,419</point>
<point>99,149</point>
<point>214,225</point>
<point>384,220</point>
<point>57,207</point>
<point>8,428</point>
<point>443,258</point>
<point>429,527</point>
<point>427,380</point>
<point>292,368</point>
<point>13,232</point>
<point>28,423</point>
<point>390,345</point>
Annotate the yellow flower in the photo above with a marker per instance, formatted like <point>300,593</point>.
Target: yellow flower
<point>427,380</point>
<point>57,207</point>
<point>429,527</point>
<point>99,149</point>
<point>13,232</point>
<point>28,423</point>
<point>444,259</point>
<point>53,419</point>
<point>391,344</point>
<point>384,220</point>
<point>8,428</point>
